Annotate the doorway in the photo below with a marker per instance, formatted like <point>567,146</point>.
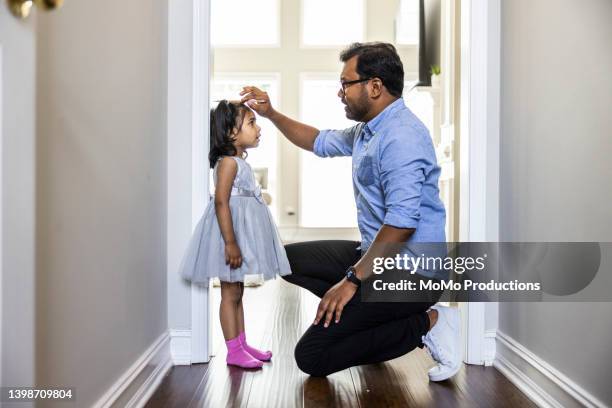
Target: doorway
<point>296,60</point>
<point>476,50</point>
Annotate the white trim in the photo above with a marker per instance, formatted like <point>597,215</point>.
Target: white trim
<point>479,149</point>
<point>180,347</point>
<point>200,305</point>
<point>543,384</point>
<point>187,188</point>
<point>1,210</point>
<point>303,46</point>
<point>277,44</point>
<point>158,355</point>
<point>488,354</point>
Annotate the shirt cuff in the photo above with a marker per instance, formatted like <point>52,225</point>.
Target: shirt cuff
<point>319,144</point>
<point>401,221</point>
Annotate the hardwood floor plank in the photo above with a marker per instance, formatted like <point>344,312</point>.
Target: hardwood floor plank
<point>178,387</point>
<point>281,383</point>
<point>223,386</point>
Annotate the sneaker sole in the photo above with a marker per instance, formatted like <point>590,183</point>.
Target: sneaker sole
<point>445,375</point>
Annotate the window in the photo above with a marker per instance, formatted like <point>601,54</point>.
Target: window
<point>421,104</point>
<point>407,25</point>
<point>264,158</point>
<point>332,22</point>
<point>326,189</point>
<point>232,22</point>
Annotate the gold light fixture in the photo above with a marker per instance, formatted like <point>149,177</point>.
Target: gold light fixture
<point>22,8</point>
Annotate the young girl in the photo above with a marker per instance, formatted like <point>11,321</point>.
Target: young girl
<point>236,235</point>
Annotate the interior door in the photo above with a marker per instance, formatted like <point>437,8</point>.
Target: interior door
<point>17,209</point>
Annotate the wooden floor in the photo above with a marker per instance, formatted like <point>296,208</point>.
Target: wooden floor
<point>276,315</point>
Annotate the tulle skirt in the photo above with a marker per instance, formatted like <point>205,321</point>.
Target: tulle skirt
<point>256,234</point>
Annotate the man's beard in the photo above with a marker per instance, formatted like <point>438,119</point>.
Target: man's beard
<point>357,110</point>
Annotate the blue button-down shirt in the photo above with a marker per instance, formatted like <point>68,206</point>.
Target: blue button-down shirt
<point>395,173</point>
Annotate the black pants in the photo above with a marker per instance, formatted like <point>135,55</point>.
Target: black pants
<point>367,332</point>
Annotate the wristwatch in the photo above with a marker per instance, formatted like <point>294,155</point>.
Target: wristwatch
<point>352,277</point>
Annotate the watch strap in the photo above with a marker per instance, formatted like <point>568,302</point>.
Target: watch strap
<point>352,277</point>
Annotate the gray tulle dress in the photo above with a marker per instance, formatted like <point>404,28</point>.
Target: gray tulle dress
<point>255,231</point>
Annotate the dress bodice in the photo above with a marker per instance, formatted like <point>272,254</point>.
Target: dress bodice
<point>245,184</point>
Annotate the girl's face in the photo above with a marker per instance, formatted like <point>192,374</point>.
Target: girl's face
<point>249,133</point>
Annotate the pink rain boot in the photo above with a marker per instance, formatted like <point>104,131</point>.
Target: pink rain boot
<point>238,356</point>
<point>258,354</point>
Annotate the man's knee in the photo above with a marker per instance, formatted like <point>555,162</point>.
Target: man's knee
<point>309,360</point>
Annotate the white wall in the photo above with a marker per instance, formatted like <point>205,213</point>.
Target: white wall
<point>555,167</point>
<point>101,190</point>
<point>17,48</point>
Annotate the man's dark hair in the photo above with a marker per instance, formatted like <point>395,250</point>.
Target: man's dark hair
<point>377,59</point>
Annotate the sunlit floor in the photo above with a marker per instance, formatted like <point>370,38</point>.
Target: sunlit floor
<point>277,313</point>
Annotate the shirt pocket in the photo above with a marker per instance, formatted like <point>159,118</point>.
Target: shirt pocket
<point>365,171</point>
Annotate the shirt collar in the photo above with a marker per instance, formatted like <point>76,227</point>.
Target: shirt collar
<point>374,124</point>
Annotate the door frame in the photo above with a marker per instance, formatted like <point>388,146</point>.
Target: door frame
<point>479,157</point>
<point>189,62</point>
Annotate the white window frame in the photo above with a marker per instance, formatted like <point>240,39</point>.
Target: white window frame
<point>398,44</point>
<point>329,46</point>
<point>276,44</point>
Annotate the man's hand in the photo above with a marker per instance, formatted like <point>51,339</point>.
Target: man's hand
<point>334,301</point>
<point>257,100</point>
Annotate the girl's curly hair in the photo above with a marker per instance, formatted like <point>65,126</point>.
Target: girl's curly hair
<point>224,118</point>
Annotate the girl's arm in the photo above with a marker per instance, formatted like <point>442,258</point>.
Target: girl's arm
<point>226,173</point>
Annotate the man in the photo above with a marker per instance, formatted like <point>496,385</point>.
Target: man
<point>395,180</point>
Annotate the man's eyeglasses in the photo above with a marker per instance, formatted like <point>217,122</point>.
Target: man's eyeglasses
<point>346,84</point>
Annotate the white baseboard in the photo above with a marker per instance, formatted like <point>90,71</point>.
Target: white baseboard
<point>156,356</point>
<point>542,383</point>
<point>488,355</point>
<point>180,347</point>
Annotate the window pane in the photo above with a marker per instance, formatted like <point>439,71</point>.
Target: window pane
<point>332,22</point>
<point>263,159</point>
<point>232,22</point>
<point>421,104</point>
<point>326,188</point>
<point>407,28</point>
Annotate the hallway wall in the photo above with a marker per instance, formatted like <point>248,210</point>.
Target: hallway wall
<point>17,140</point>
<point>101,190</point>
<point>556,140</point>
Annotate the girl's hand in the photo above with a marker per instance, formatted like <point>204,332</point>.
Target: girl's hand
<point>233,256</point>
<point>257,100</point>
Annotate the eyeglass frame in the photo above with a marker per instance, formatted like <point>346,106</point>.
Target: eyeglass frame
<point>346,84</point>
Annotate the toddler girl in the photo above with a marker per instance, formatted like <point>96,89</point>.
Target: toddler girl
<point>236,235</point>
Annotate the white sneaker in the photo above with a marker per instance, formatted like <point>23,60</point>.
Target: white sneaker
<point>444,344</point>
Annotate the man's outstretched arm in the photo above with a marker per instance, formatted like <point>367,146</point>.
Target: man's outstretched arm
<point>298,133</point>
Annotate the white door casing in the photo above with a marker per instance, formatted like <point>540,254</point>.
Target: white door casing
<point>479,156</point>
<point>188,124</point>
